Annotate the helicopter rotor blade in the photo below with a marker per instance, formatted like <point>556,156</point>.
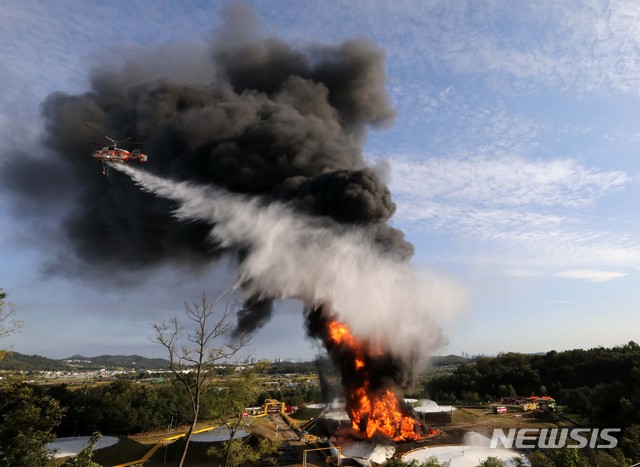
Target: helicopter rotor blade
<point>93,128</point>
<point>113,141</point>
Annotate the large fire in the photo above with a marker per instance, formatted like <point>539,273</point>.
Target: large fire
<point>373,411</point>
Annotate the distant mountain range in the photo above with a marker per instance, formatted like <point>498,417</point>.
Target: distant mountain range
<point>18,361</point>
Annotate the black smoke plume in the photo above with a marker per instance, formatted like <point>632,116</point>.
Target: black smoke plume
<point>385,370</point>
<point>283,122</point>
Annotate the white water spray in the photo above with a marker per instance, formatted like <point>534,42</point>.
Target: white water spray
<point>291,255</point>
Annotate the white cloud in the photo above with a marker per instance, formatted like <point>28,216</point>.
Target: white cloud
<point>578,47</point>
<point>591,275</point>
<point>504,181</point>
<point>520,213</point>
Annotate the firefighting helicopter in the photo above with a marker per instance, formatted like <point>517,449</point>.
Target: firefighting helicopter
<point>112,153</point>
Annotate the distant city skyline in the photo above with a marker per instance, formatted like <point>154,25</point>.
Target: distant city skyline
<point>513,162</point>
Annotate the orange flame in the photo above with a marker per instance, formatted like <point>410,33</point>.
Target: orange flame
<point>340,334</point>
<point>374,414</point>
<point>371,412</point>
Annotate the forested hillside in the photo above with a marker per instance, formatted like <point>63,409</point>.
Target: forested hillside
<point>601,383</point>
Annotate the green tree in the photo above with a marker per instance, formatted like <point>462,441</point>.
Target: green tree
<point>573,457</point>
<point>239,452</point>
<point>491,462</point>
<point>28,419</point>
<point>238,392</point>
<point>85,457</point>
<point>120,408</point>
<point>192,357</point>
<point>630,442</point>
<point>570,457</point>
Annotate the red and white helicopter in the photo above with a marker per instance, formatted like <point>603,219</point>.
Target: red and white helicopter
<point>112,153</point>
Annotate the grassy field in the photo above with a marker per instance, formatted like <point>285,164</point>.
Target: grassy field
<point>465,417</point>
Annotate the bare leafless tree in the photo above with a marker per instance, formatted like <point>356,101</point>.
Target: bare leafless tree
<point>8,323</point>
<point>193,353</point>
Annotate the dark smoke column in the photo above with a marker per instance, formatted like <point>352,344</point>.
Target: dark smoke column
<point>279,122</point>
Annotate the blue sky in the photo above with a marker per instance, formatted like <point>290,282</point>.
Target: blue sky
<point>513,161</point>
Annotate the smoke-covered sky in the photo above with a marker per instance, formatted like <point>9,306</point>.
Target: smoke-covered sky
<point>505,132</point>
